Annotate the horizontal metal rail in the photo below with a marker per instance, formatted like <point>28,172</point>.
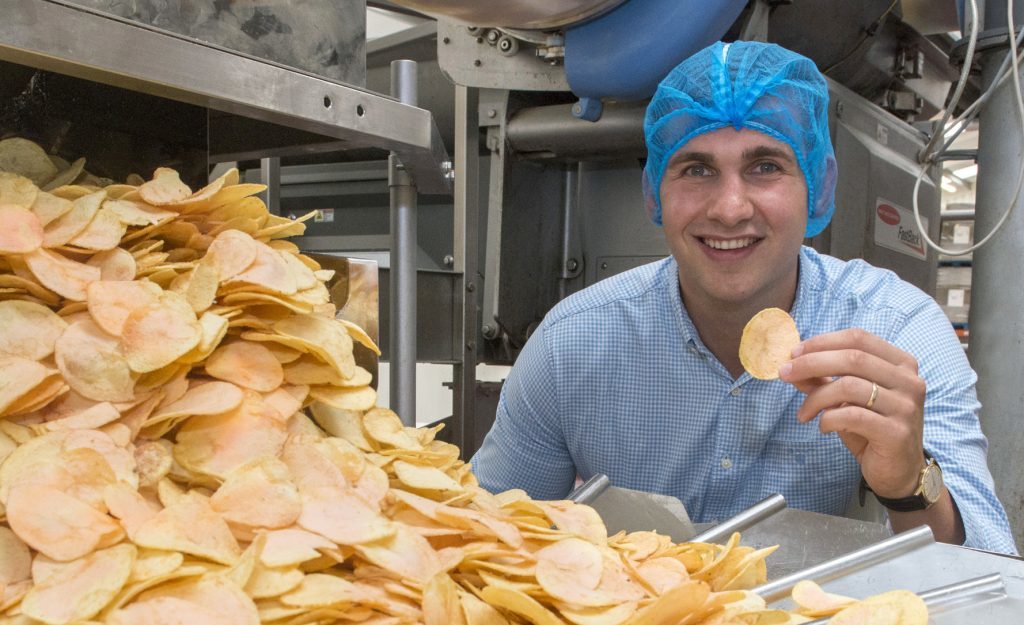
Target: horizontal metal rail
<point>941,599</point>
<point>749,517</point>
<point>849,563</point>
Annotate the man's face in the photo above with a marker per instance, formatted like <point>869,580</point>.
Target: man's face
<point>734,209</point>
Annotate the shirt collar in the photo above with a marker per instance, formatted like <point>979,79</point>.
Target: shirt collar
<point>807,297</point>
<point>671,285</point>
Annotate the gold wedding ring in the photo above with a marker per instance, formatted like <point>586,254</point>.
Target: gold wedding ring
<point>874,396</point>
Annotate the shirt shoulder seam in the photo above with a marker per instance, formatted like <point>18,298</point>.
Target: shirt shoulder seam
<point>568,314</point>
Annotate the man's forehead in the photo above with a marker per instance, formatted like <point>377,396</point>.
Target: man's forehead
<point>726,142</point>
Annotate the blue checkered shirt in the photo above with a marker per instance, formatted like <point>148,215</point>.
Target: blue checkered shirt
<point>617,381</point>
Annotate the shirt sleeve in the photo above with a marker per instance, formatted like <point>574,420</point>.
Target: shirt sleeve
<point>952,432</point>
<point>526,448</point>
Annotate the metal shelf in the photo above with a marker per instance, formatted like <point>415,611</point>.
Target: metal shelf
<point>83,43</point>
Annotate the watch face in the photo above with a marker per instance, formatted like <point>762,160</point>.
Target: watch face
<point>931,483</point>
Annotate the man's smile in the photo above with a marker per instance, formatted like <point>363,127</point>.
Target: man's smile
<point>729,244</point>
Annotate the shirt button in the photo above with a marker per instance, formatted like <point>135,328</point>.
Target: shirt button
<point>726,463</point>
<point>693,350</point>
<point>735,392</point>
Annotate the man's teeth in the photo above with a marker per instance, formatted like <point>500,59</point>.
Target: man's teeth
<point>729,244</point>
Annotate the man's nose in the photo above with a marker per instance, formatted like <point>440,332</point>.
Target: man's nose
<point>732,205</point>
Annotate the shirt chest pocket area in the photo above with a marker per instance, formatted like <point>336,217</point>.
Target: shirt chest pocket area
<point>808,467</point>
<point>797,454</point>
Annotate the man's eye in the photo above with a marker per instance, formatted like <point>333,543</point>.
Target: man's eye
<point>767,168</point>
<point>696,170</point>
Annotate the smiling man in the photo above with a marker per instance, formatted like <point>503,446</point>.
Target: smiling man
<point>639,378</point>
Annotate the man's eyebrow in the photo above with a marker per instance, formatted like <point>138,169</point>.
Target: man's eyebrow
<point>700,157</point>
<point>766,151</point>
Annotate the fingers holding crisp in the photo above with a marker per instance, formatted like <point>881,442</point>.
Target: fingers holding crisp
<point>850,390</point>
<point>844,362</point>
<point>857,339</point>
<point>807,386</point>
<point>856,420</point>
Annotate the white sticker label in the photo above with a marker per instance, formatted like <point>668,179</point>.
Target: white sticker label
<point>896,229</point>
<point>955,298</point>
<point>961,234</point>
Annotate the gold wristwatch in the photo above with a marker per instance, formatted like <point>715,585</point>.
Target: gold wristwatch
<point>929,488</point>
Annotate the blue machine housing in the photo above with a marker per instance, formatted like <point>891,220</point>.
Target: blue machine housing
<point>623,54</point>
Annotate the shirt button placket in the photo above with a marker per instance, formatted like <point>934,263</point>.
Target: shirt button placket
<point>726,461</point>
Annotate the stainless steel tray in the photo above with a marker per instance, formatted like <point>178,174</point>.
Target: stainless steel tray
<point>808,541</point>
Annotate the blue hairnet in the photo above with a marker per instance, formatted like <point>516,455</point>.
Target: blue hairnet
<point>745,84</point>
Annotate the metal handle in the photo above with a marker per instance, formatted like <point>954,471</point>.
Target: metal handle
<point>943,598</point>
<point>846,564</point>
<point>751,516</point>
<point>591,489</point>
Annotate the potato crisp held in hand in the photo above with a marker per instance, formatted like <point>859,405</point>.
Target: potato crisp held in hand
<point>768,340</point>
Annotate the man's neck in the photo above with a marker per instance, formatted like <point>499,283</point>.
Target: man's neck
<point>720,324</point>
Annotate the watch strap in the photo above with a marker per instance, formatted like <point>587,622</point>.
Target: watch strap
<point>904,504</point>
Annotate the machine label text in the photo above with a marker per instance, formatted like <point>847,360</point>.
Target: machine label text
<point>896,229</point>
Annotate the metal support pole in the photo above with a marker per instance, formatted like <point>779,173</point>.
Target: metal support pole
<point>466,252</point>
<point>403,262</point>
<point>497,102</point>
<point>270,175</point>
<point>572,253</point>
<point>997,301</point>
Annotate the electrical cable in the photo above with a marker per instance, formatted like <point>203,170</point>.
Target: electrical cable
<point>965,72</point>
<point>971,111</point>
<point>928,160</point>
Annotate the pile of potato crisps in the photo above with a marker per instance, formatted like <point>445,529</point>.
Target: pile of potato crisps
<point>159,351</point>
